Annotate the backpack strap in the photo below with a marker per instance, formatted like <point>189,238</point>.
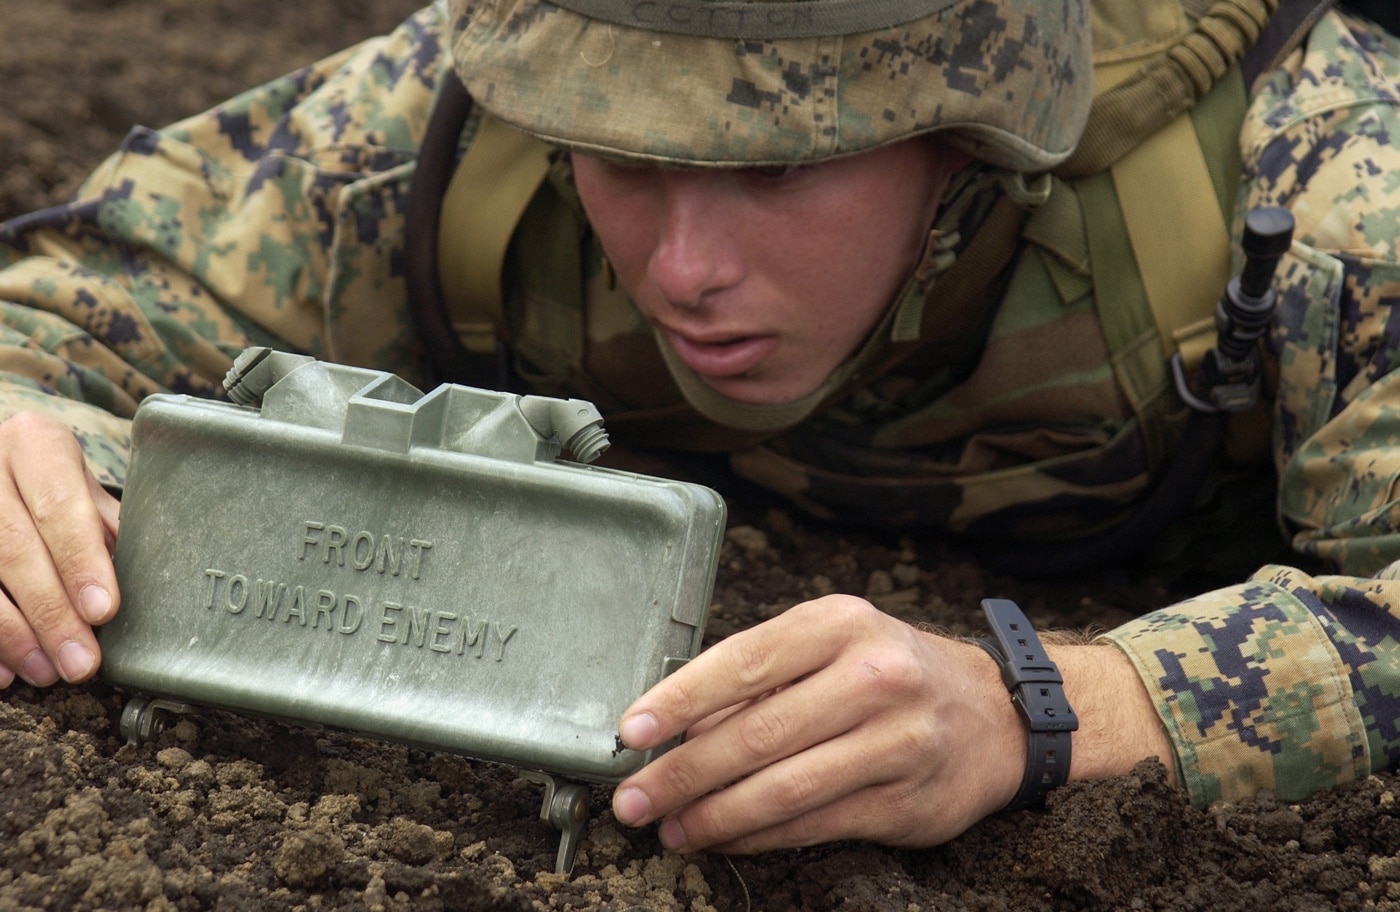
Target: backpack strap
<point>1180,250</point>
<point>498,176</point>
<point>1151,240</point>
<point>444,358</point>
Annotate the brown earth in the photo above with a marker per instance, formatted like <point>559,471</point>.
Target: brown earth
<point>222,812</point>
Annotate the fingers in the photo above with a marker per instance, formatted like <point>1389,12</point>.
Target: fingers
<point>75,519</point>
<point>766,731</point>
<point>829,791</point>
<point>56,529</point>
<point>897,778</point>
<point>745,666</point>
<point>837,791</point>
<point>108,510</point>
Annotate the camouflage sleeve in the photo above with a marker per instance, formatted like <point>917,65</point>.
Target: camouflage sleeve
<point>1291,682</point>
<point>1286,682</point>
<point>275,218</point>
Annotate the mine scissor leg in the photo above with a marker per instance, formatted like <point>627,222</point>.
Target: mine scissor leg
<point>145,717</point>
<point>565,807</point>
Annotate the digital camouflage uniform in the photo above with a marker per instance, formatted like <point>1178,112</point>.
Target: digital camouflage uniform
<point>277,219</point>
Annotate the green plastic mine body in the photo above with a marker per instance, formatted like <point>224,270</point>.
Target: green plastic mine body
<point>419,568</point>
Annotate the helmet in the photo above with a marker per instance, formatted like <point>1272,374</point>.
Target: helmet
<point>715,83</point>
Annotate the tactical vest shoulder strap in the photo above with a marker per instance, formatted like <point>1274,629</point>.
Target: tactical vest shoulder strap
<point>1286,29</point>
<point>496,179</point>
<point>1156,251</point>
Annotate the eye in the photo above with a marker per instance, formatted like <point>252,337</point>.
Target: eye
<point>624,165</point>
<point>776,172</point>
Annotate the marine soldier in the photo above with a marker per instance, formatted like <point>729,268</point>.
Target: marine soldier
<point>926,263</point>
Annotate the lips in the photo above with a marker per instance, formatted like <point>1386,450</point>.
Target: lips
<point>721,358</point>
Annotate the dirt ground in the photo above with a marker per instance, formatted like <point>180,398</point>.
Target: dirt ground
<point>222,812</point>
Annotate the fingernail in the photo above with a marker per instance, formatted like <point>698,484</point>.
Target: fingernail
<point>631,806</point>
<point>637,731</point>
<point>38,670</point>
<point>95,603</point>
<point>672,835</point>
<point>7,677</point>
<point>76,660</point>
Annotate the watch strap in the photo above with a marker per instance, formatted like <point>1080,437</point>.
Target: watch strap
<point>1037,691</point>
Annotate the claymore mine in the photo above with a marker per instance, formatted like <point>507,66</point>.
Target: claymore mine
<point>352,553</point>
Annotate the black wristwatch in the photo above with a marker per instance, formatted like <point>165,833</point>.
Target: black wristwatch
<point>1037,690</point>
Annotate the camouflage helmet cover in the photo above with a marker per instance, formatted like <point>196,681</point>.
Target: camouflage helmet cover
<point>749,82</point>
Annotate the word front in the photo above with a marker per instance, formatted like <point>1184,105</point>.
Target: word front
<point>447,632</point>
<point>364,551</point>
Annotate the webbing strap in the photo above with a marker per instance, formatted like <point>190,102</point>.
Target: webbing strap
<point>1129,329</point>
<point>485,199</point>
<point>1182,247</point>
<point>1294,19</point>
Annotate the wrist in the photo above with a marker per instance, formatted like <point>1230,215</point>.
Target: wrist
<point>1119,725</point>
<point>1002,739</point>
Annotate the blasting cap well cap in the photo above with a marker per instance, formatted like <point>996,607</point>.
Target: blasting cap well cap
<point>747,82</point>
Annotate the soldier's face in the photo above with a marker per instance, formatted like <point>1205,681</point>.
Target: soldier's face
<point>764,280</point>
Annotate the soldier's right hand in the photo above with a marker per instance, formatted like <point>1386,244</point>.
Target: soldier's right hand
<point>57,530</point>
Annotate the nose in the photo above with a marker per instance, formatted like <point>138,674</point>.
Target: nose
<point>698,250</point>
